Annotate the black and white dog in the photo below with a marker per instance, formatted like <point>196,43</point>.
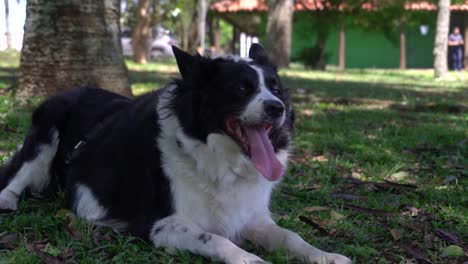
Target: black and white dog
<point>188,167</point>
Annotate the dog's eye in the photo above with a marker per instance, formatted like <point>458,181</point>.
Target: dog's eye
<point>272,83</point>
<point>276,90</point>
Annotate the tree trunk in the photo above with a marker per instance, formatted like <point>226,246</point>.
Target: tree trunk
<point>402,47</point>
<point>278,32</point>
<point>68,44</point>
<point>7,25</point>
<point>213,33</point>
<point>441,39</point>
<point>342,48</point>
<point>235,40</point>
<point>319,60</point>
<point>202,8</point>
<point>141,32</point>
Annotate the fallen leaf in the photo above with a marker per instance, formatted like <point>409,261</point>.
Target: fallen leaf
<point>9,241</point>
<point>369,211</point>
<point>411,210</point>
<point>45,257</point>
<point>395,234</point>
<point>356,175</point>
<point>315,208</point>
<point>52,250</point>
<point>310,222</point>
<point>320,158</point>
<point>447,236</point>
<point>72,232</point>
<point>398,176</point>
<point>452,251</point>
<point>428,240</point>
<point>336,216</point>
<point>67,253</point>
<point>347,196</point>
<point>65,214</point>
<point>449,180</point>
<point>415,252</point>
<point>97,237</point>
<point>307,112</point>
<point>389,184</point>
<point>417,227</point>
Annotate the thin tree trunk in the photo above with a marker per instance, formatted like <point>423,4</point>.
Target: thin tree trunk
<point>141,32</point>
<point>342,48</point>
<point>235,40</point>
<point>68,44</point>
<point>202,8</point>
<point>402,47</point>
<point>441,39</point>
<point>216,42</point>
<point>278,32</point>
<point>7,25</point>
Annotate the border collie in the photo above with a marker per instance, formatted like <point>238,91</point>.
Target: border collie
<point>188,167</point>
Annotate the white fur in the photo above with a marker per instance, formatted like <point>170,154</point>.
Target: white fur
<point>175,233</point>
<point>34,174</point>
<point>211,183</point>
<point>254,112</point>
<point>217,192</point>
<point>88,207</point>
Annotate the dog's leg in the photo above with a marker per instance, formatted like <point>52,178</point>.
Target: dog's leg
<point>264,232</point>
<point>174,233</point>
<point>29,167</point>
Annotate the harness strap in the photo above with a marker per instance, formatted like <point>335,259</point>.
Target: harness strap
<point>79,147</point>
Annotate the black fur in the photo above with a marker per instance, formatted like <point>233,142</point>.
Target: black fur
<point>120,161</point>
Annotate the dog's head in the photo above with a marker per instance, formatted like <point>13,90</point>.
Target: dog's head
<point>241,98</point>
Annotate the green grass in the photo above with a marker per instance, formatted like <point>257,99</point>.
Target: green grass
<point>369,125</point>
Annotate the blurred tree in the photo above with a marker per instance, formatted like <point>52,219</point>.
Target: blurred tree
<point>202,10</point>
<point>69,44</point>
<point>7,24</point>
<point>441,39</point>
<point>278,31</point>
<point>141,32</point>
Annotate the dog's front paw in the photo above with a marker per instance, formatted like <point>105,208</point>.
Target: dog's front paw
<point>329,258</point>
<point>8,202</point>
<point>246,258</point>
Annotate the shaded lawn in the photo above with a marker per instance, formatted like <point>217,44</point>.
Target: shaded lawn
<point>379,173</point>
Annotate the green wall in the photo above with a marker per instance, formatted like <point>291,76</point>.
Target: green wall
<point>364,49</point>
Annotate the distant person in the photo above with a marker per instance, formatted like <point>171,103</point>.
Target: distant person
<point>456,49</point>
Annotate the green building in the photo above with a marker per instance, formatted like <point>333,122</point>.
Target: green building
<point>364,48</point>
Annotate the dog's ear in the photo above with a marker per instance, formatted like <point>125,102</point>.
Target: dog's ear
<point>193,68</point>
<point>259,55</point>
<point>188,64</point>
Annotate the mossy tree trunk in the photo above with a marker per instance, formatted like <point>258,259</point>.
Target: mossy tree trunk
<point>441,39</point>
<point>141,32</point>
<point>278,32</point>
<point>69,44</point>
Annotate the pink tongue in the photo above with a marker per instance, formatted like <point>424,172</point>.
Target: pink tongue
<point>263,155</point>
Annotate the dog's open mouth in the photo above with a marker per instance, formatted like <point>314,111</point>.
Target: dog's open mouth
<point>254,141</point>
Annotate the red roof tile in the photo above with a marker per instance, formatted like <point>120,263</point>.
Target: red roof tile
<point>313,5</point>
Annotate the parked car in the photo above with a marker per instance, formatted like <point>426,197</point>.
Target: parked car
<point>160,46</point>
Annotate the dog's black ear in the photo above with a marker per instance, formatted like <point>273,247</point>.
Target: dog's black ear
<point>259,54</point>
<point>186,62</point>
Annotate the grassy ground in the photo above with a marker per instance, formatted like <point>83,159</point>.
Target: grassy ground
<point>379,173</point>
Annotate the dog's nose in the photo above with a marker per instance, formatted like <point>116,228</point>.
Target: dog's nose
<point>273,108</point>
